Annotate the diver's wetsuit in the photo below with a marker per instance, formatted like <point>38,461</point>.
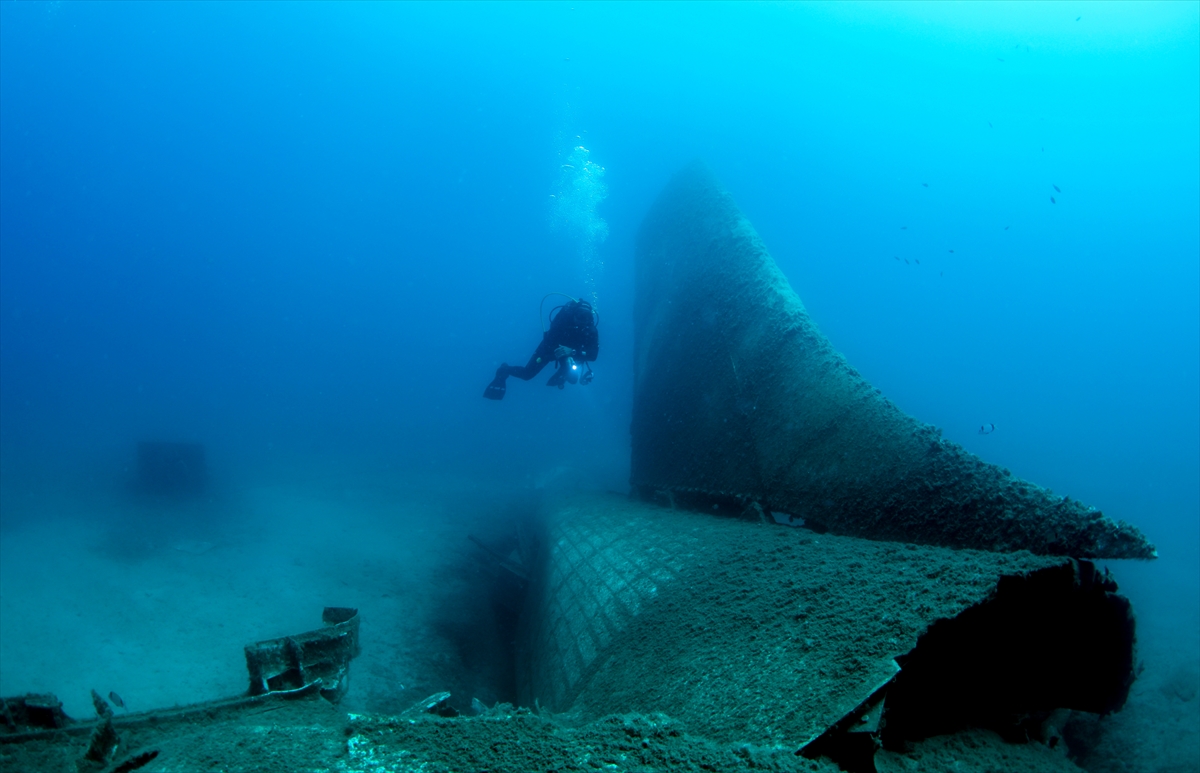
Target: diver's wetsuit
<point>573,327</point>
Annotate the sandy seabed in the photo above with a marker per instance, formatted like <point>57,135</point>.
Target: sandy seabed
<point>157,602</point>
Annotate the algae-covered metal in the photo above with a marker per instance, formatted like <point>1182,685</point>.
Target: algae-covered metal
<point>738,395</point>
<point>746,632</point>
<point>37,735</point>
<point>321,658</point>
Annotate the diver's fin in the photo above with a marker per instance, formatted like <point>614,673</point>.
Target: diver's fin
<point>559,379</point>
<point>496,389</point>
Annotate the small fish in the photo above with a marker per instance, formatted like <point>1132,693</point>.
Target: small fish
<point>906,262</point>
<point>903,228</point>
<point>567,166</point>
<point>1077,18</point>
<point>116,699</point>
<point>1005,228</point>
<point>918,261</point>
<point>987,429</point>
<point>941,273</point>
<point>1052,201</point>
<point>1056,188</point>
<point>897,257</point>
<point>998,59</point>
<point>951,252</point>
<point>924,185</point>
<point>989,122</point>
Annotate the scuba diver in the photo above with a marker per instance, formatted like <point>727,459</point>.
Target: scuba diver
<point>571,343</point>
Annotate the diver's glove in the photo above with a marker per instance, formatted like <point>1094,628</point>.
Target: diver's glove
<point>563,351</point>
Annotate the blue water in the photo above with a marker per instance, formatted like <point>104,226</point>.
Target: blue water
<point>306,234</point>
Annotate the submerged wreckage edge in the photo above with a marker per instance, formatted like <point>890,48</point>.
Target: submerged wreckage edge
<point>749,633</point>
<point>739,396</point>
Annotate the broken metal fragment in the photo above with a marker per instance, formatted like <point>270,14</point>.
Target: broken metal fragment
<point>317,659</point>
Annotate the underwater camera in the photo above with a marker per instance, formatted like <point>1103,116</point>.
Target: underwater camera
<point>571,370</point>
